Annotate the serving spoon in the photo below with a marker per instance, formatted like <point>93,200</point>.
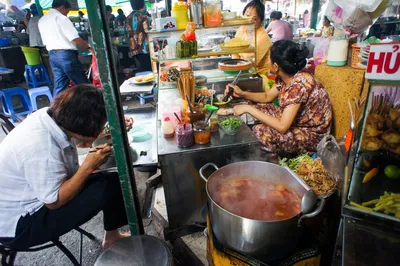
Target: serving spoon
<point>308,201</point>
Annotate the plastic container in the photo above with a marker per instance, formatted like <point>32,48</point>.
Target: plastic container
<point>32,55</point>
<point>213,123</point>
<point>355,59</point>
<point>184,135</point>
<point>212,13</point>
<point>202,133</point>
<point>337,53</point>
<point>197,114</point>
<point>180,12</point>
<point>167,128</point>
<point>4,42</point>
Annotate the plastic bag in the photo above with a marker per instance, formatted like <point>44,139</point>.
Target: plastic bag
<point>95,73</point>
<point>332,158</point>
<point>321,49</point>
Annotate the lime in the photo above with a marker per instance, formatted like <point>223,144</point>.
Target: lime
<point>392,171</point>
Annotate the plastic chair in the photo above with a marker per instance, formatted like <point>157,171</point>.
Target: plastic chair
<point>8,254</point>
<point>34,80</point>
<point>6,96</point>
<point>41,91</point>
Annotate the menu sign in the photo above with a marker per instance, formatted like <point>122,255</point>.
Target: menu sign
<point>384,62</point>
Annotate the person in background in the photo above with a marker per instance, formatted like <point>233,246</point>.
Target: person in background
<point>306,19</point>
<point>110,16</point>
<point>35,40</point>
<point>45,193</point>
<point>81,16</point>
<point>280,30</point>
<point>61,40</point>
<point>255,10</point>
<point>304,114</point>
<point>138,26</point>
<point>327,29</point>
<point>121,17</point>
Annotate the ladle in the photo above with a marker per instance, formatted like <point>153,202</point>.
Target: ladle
<point>308,201</point>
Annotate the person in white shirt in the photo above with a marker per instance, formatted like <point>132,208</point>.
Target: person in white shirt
<point>44,191</point>
<point>61,40</point>
<point>35,40</point>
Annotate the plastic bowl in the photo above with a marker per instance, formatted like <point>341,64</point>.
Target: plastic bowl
<point>228,130</point>
<point>106,139</point>
<point>229,15</point>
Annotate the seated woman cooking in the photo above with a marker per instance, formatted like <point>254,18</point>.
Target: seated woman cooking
<point>256,10</point>
<point>304,113</point>
<point>44,191</point>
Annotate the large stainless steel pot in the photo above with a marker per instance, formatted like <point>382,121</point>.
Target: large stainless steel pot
<point>264,240</point>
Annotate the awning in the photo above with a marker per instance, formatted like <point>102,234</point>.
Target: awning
<point>46,4</point>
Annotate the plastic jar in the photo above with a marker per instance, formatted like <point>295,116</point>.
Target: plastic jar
<point>202,133</point>
<point>212,14</point>
<point>184,135</point>
<point>180,12</point>
<point>197,114</point>
<point>213,123</point>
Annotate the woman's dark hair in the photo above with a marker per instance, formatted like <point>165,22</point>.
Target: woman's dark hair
<point>306,11</point>
<point>327,19</point>
<point>289,57</point>
<point>80,110</point>
<point>276,15</point>
<point>120,11</point>
<point>60,3</point>
<point>137,4</point>
<point>260,8</point>
<point>108,8</point>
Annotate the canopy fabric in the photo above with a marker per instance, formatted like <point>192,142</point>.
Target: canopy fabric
<point>46,4</point>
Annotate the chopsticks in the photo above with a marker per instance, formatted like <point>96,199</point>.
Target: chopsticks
<point>95,149</point>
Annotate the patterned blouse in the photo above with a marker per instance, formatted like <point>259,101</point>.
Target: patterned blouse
<point>138,25</point>
<point>315,112</point>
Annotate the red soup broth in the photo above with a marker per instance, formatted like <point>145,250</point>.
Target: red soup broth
<point>257,199</point>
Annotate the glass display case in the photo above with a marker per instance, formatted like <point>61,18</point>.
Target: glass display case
<point>374,191</point>
<point>163,51</point>
<point>205,65</point>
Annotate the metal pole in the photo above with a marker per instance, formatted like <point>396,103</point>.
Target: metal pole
<point>39,8</point>
<point>314,14</point>
<point>103,47</point>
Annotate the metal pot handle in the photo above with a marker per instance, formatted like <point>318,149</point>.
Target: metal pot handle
<point>204,167</point>
<point>314,213</point>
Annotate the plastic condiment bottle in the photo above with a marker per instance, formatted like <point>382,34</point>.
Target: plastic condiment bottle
<point>180,12</point>
<point>167,128</point>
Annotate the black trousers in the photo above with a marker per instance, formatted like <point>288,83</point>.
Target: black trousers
<point>101,192</point>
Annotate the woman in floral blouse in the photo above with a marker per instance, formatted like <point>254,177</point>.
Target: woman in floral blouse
<point>304,113</point>
<point>138,27</point>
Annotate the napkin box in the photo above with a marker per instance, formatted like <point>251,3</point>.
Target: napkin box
<point>166,24</point>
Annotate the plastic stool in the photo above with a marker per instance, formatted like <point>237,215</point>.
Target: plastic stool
<point>36,81</point>
<point>41,91</point>
<point>143,97</point>
<point>6,99</point>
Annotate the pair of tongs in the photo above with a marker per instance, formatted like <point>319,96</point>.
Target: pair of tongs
<point>231,90</point>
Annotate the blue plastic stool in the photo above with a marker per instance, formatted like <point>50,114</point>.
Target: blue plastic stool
<point>6,96</point>
<point>143,97</point>
<point>34,81</point>
<point>41,91</point>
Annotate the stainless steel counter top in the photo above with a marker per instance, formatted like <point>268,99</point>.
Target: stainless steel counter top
<point>218,140</point>
<point>147,150</point>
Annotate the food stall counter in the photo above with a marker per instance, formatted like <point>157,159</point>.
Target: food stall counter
<point>184,189</point>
